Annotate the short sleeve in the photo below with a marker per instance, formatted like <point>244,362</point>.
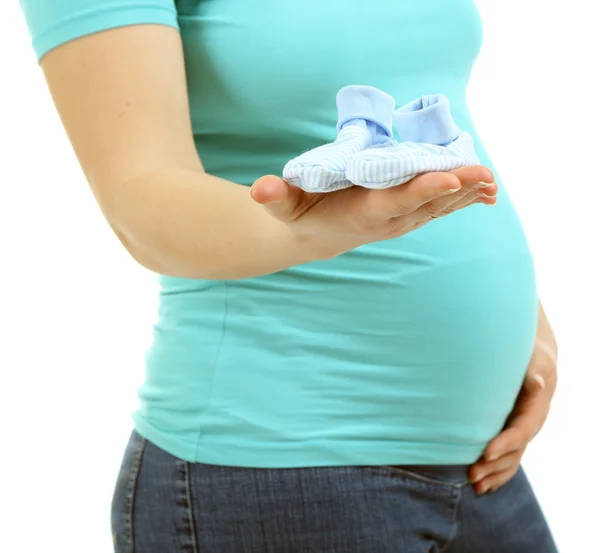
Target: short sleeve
<point>54,22</point>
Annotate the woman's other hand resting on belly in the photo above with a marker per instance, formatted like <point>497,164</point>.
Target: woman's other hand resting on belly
<point>502,458</point>
<point>122,97</point>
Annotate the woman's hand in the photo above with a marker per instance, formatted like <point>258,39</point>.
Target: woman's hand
<point>340,221</point>
<point>502,457</point>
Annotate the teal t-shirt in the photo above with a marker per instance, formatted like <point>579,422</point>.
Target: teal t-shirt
<point>406,351</point>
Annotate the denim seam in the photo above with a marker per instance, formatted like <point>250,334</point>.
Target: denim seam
<point>215,364</point>
<point>421,478</point>
<point>454,530</point>
<point>131,491</point>
<point>188,493</point>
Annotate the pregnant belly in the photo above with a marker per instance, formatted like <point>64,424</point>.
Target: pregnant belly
<point>427,337</point>
<point>424,339</point>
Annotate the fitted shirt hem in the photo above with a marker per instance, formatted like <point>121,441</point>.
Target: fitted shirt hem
<point>313,453</point>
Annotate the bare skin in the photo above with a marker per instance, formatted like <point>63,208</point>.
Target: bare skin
<point>122,97</point>
<point>502,457</point>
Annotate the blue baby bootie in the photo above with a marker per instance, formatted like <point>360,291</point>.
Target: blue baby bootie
<point>365,116</point>
<point>430,141</point>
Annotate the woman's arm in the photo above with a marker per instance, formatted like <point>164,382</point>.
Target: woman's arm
<point>122,97</point>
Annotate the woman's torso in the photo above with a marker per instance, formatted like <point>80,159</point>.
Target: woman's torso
<point>406,351</point>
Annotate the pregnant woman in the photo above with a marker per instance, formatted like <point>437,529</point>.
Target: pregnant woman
<point>355,372</point>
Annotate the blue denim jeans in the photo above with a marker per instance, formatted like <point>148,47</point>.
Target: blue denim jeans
<point>162,504</point>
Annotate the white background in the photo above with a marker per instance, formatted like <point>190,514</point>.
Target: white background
<point>76,311</point>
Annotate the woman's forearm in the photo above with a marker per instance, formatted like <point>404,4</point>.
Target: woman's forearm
<point>122,97</point>
<point>189,224</point>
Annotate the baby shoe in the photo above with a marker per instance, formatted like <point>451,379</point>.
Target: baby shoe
<point>364,119</point>
<point>430,141</point>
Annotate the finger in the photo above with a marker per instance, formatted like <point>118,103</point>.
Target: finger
<point>484,196</point>
<point>514,438</point>
<point>467,201</point>
<point>277,196</point>
<point>402,200</point>
<point>482,469</point>
<point>444,206</point>
<point>269,188</point>
<point>534,383</point>
<point>433,210</point>
<point>472,188</point>
<point>541,370</point>
<point>496,480</point>
<point>473,175</point>
<point>470,191</point>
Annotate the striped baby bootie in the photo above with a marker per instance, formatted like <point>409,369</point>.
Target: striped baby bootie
<point>430,141</point>
<point>364,119</point>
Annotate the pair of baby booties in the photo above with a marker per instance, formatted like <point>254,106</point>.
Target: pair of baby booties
<point>364,152</point>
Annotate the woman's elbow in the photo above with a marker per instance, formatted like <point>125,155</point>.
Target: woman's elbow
<point>138,251</point>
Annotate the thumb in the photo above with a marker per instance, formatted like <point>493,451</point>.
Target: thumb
<point>277,196</point>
